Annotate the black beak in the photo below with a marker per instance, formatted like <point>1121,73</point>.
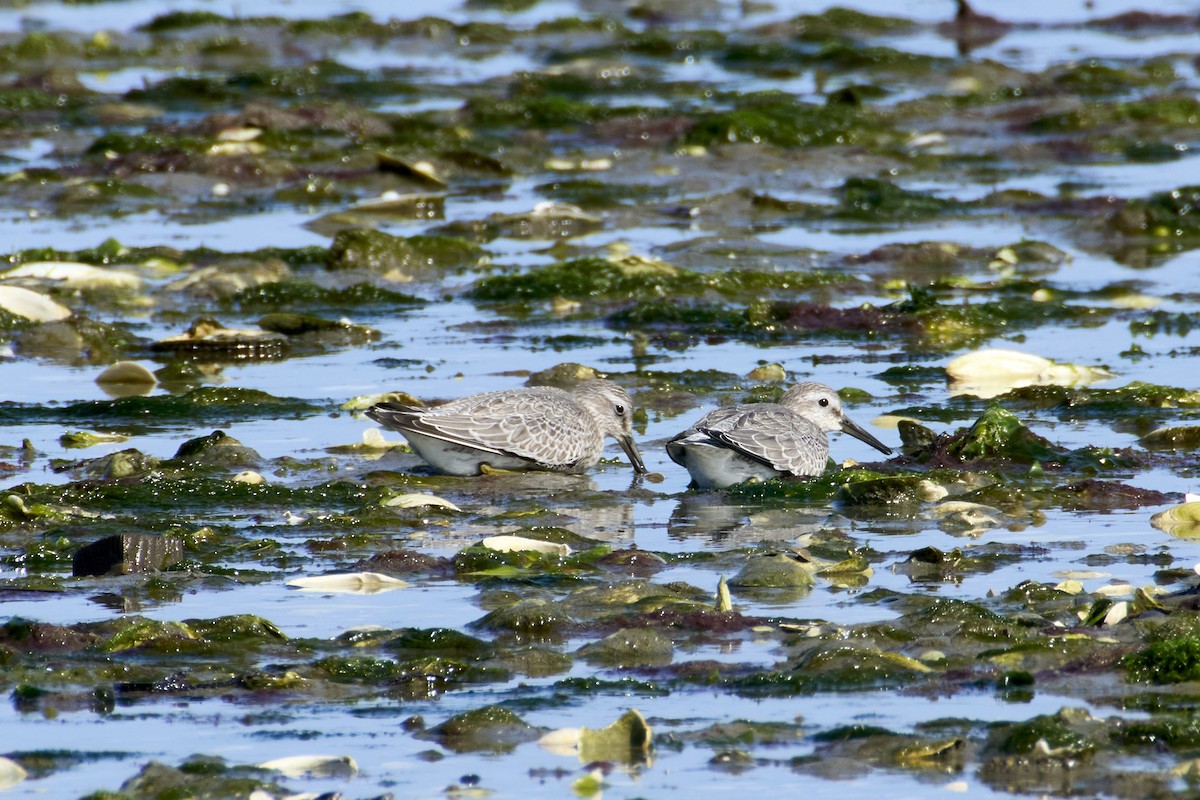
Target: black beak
<point>635,457</point>
<point>852,428</point>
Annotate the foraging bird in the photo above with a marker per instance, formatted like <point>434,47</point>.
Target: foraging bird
<point>765,440</point>
<point>536,428</point>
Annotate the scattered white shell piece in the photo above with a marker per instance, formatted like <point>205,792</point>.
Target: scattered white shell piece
<point>239,134</point>
<point>724,603</point>
<point>374,439</point>
<point>315,766</point>
<point>548,209</point>
<point>419,501</point>
<point>1118,612</point>
<point>991,371</point>
<point>892,421</point>
<point>31,305</point>
<point>1115,590</point>
<point>127,372</point>
<point>1136,301</point>
<point>292,518</point>
<point>583,165</point>
<point>1080,574</point>
<point>74,275</point>
<point>931,139</point>
<point>349,583</point>
<point>932,492</point>
<point>11,773</point>
<point>957,786</point>
<point>517,544</point>
<point>564,305</point>
<point>561,742</point>
<point>236,149</point>
<point>970,515</point>
<point>249,476</point>
<point>1070,587</point>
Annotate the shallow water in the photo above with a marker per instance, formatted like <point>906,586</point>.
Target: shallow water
<point>455,346</point>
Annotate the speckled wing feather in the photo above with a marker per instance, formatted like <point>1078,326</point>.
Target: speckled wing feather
<point>718,418</point>
<point>774,436</point>
<point>546,426</point>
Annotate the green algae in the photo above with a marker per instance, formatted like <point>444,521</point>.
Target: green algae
<point>1164,214</point>
<point>780,120</point>
<point>839,22</point>
<point>492,729</point>
<point>376,251</point>
<point>1168,731</point>
<point>1055,730</point>
<point>638,280</point>
<point>832,668</point>
<point>181,20</point>
<point>236,628</point>
<point>150,634</point>
<point>546,112</point>
<point>773,571</point>
<point>1166,661</point>
<point>1095,78</point>
<point>999,434</point>
<point>192,779</point>
<point>480,561</point>
<point>534,617</point>
<point>438,641</point>
<point>869,199</point>
<point>629,648</point>
<point>305,294</point>
<point>199,405</point>
<point>959,618</point>
<point>1167,110</point>
<point>819,490</point>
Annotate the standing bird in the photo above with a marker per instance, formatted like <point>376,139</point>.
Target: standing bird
<point>766,440</point>
<point>538,428</point>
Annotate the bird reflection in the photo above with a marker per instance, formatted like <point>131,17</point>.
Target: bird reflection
<point>713,516</point>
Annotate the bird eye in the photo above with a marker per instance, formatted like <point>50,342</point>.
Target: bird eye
<point>823,402</point>
<point>620,409</point>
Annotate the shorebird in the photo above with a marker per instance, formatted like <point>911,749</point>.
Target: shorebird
<point>766,440</point>
<point>535,428</point>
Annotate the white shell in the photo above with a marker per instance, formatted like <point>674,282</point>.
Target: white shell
<point>349,583</point>
<point>31,305</point>
<point>991,371</point>
<point>419,501</point>
<point>318,766</point>
<point>11,773</point>
<point>74,275</point>
<point>127,372</point>
<point>516,544</point>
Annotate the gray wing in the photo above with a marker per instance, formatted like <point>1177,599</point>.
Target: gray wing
<point>718,418</point>
<point>774,436</point>
<point>547,428</point>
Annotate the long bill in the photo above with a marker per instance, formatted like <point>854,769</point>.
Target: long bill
<point>854,429</point>
<point>635,457</point>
